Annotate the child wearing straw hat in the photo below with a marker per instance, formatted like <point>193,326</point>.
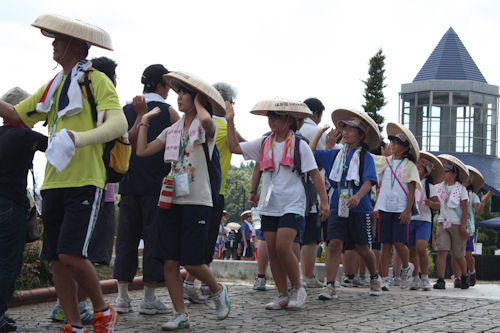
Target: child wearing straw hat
<point>351,172</point>
<point>184,218</point>
<point>246,231</point>
<point>398,178</point>
<point>451,232</point>
<point>283,204</point>
<point>475,206</point>
<point>431,172</point>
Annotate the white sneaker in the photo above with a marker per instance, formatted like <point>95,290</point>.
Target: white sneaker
<point>425,284</point>
<point>179,320</point>
<point>386,282</point>
<point>260,284</point>
<point>297,298</point>
<point>346,282</point>
<point>327,293</point>
<point>375,287</point>
<point>415,283</point>
<point>312,283</point>
<point>122,305</point>
<point>360,283</point>
<point>194,295</point>
<point>222,304</point>
<point>406,276</point>
<point>153,307</point>
<point>396,281</point>
<point>279,303</point>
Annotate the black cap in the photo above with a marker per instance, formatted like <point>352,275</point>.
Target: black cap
<point>153,75</point>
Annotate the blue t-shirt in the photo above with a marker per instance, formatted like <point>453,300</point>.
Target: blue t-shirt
<point>325,159</point>
<point>248,231</point>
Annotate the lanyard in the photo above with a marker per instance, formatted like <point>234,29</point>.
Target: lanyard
<point>393,177</point>
<point>183,146</point>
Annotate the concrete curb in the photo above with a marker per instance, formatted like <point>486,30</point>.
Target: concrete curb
<point>48,294</point>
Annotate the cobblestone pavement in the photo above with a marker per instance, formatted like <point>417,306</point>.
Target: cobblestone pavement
<point>353,311</point>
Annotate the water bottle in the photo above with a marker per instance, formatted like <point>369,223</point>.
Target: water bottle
<point>255,218</point>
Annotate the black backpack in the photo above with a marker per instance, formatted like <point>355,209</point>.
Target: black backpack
<point>233,239</point>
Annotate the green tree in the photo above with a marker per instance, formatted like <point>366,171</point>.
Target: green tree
<point>238,190</point>
<point>374,90</point>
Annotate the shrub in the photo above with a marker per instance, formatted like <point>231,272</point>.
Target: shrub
<point>35,273</point>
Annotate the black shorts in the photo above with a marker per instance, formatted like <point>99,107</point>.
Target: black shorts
<point>312,232</point>
<point>391,231</point>
<point>182,234</point>
<point>69,216</point>
<point>354,230</point>
<point>290,220</point>
<point>213,228</point>
<point>101,243</point>
<point>248,252</point>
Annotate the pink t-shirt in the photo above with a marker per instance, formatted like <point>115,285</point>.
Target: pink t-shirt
<point>109,196</point>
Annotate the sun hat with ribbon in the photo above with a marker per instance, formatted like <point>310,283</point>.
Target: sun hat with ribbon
<point>463,171</point>
<point>178,79</point>
<point>51,25</point>
<point>437,170</point>
<point>360,119</point>
<point>477,177</point>
<point>403,134</point>
<point>284,106</point>
<point>245,213</point>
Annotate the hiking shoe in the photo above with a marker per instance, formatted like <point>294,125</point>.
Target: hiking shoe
<point>58,314</point>
<point>297,298</point>
<point>70,329</point>
<point>312,282</point>
<point>194,295</point>
<point>425,284</point>
<point>457,283</point>
<point>406,276</point>
<point>472,279</point>
<point>375,287</point>
<point>178,320</point>
<point>260,284</point>
<point>222,304</point>
<point>279,303</point>
<point>6,324</point>
<point>86,315</point>
<point>122,305</point>
<point>415,283</point>
<point>327,293</point>
<point>346,282</point>
<point>358,282</point>
<point>153,307</point>
<point>396,281</point>
<point>440,284</point>
<point>386,283</point>
<point>104,322</point>
<point>464,279</point>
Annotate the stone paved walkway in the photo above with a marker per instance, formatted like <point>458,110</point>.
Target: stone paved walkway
<point>353,311</point>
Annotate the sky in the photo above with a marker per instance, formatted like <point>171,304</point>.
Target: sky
<point>291,49</point>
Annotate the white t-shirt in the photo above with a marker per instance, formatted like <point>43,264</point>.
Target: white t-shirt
<point>447,212</point>
<point>420,196</point>
<point>391,192</point>
<point>288,194</point>
<point>195,165</point>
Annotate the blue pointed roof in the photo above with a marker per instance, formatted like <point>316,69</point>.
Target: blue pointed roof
<point>450,61</point>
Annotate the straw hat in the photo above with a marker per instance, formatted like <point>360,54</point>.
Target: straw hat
<point>401,132</point>
<point>373,137</point>
<point>477,177</point>
<point>245,213</point>
<point>233,226</point>
<point>285,106</point>
<point>54,24</point>
<point>463,172</point>
<point>437,172</point>
<point>190,81</point>
<point>14,96</point>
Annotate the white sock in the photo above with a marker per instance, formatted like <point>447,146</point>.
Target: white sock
<point>149,293</point>
<point>123,290</point>
<point>188,284</point>
<point>82,305</point>
<point>425,276</point>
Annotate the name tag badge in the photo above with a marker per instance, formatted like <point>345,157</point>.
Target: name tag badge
<point>181,185</point>
<point>268,195</point>
<point>344,196</point>
<point>391,202</point>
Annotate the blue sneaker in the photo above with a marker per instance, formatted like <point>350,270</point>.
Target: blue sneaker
<point>58,313</point>
<point>85,314</point>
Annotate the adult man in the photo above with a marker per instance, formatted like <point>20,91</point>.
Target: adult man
<point>139,189</point>
<point>312,232</point>
<point>17,147</point>
<point>75,174</point>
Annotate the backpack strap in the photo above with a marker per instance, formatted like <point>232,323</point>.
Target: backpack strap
<point>211,172</point>
<point>85,84</point>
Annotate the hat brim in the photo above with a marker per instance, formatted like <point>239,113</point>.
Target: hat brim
<point>372,138</point>
<point>52,25</point>
<point>463,172</point>
<point>245,213</point>
<point>437,172</point>
<point>198,85</point>
<point>477,178</point>
<point>393,129</point>
<point>233,226</point>
<point>294,108</point>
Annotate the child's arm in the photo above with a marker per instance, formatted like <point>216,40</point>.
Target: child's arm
<point>143,148</point>
<point>479,207</point>
<point>232,139</point>
<point>353,201</point>
<point>406,214</point>
<point>324,207</point>
<point>204,115</point>
<point>316,137</point>
<point>433,203</point>
<point>253,198</point>
<point>463,220</point>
